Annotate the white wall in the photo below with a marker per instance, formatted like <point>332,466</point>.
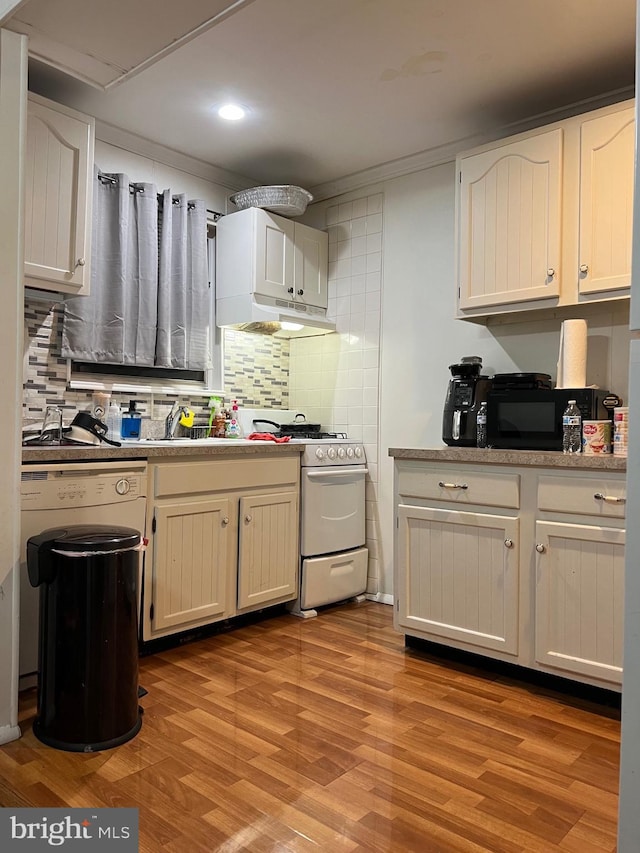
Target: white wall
<point>420,337</point>
<point>141,168</point>
<point>13,87</point>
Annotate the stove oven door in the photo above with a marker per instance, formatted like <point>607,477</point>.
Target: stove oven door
<point>333,509</point>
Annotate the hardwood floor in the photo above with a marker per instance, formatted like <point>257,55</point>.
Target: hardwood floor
<point>327,735</point>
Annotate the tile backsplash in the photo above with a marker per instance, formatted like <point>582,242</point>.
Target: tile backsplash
<point>256,373</point>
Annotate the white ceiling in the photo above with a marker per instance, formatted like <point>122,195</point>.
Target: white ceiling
<point>334,86</point>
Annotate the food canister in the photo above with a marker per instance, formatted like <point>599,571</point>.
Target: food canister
<point>620,430</point>
<point>596,437</point>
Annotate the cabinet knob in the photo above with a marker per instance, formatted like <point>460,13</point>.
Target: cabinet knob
<point>584,268</point>
<point>540,548</point>
<point>300,292</point>
<point>508,543</point>
<point>551,272</point>
<point>248,518</point>
<point>289,290</point>
<point>80,262</point>
<point>225,519</point>
<point>610,499</point>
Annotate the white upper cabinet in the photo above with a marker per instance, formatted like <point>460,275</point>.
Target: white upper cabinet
<point>58,197</point>
<point>268,255</point>
<point>274,254</point>
<point>510,222</point>
<point>311,263</point>
<point>544,219</point>
<point>606,201</point>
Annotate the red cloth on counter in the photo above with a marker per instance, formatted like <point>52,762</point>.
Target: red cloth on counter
<point>268,436</point>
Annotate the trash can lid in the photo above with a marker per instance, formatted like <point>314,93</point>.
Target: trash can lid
<point>89,537</point>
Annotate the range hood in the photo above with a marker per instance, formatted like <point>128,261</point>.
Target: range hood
<point>250,312</point>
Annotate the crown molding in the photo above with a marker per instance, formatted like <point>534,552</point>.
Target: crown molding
<point>446,153</point>
<point>120,138</point>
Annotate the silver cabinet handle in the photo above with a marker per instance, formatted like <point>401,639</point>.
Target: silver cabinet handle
<point>508,543</point>
<point>551,272</point>
<point>225,519</point>
<point>80,262</point>
<point>540,548</point>
<point>610,499</point>
<point>247,518</point>
<point>300,292</point>
<point>452,485</point>
<point>289,290</point>
<point>584,268</point>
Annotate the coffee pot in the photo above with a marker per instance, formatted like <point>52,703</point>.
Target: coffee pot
<point>467,389</point>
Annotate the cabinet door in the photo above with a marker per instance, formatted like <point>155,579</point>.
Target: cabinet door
<point>607,145</point>
<point>190,563</point>
<point>268,563</point>
<point>274,249</point>
<point>311,265</point>
<point>459,576</point>
<point>509,222</point>
<point>579,599</point>
<point>58,193</point>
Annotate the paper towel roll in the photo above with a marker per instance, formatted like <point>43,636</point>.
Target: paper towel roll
<point>572,360</point>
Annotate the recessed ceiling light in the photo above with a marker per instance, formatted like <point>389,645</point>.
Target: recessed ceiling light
<point>232,112</point>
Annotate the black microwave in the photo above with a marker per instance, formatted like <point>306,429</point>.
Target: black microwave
<point>531,419</point>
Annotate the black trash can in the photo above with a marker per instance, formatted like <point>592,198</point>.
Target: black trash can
<point>88,652</point>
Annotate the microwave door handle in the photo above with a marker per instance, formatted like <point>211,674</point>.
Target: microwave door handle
<point>455,432</point>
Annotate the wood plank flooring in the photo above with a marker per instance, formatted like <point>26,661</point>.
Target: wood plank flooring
<point>327,735</point>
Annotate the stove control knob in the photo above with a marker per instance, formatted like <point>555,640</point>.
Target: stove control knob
<point>358,452</point>
<point>341,452</point>
<point>319,453</point>
<point>350,452</point>
<point>331,453</point>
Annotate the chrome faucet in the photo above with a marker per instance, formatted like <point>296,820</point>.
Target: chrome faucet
<point>172,420</point>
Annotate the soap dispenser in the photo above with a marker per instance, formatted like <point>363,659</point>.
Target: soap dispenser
<point>131,423</point>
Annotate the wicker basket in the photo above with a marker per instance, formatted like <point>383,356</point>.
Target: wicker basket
<point>287,200</point>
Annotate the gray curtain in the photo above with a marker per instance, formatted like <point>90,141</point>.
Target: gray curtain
<point>183,285</point>
<point>149,280</point>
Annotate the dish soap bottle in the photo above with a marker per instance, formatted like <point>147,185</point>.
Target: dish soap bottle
<point>234,430</point>
<point>131,423</point>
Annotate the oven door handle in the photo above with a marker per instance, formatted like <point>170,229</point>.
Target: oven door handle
<point>347,471</point>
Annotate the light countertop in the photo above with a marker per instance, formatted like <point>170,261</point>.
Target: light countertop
<point>493,456</point>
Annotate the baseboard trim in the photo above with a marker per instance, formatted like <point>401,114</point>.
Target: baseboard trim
<point>9,733</point>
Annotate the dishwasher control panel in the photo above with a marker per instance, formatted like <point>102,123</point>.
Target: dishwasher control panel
<point>73,485</point>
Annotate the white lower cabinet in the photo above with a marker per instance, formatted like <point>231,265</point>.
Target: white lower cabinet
<point>190,568</point>
<point>460,576</point>
<point>580,599</point>
<point>268,549</point>
<point>522,564</point>
<point>223,540</point>
<point>579,566</point>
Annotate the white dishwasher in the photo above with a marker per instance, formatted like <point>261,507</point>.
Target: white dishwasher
<point>59,494</point>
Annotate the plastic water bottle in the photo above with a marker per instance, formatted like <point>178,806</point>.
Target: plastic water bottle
<point>572,429</point>
<point>481,426</point>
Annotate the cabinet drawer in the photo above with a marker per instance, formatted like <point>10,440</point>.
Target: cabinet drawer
<point>461,485</point>
<point>600,496</point>
<point>192,478</point>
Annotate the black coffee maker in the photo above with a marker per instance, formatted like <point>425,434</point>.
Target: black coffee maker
<point>467,389</point>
